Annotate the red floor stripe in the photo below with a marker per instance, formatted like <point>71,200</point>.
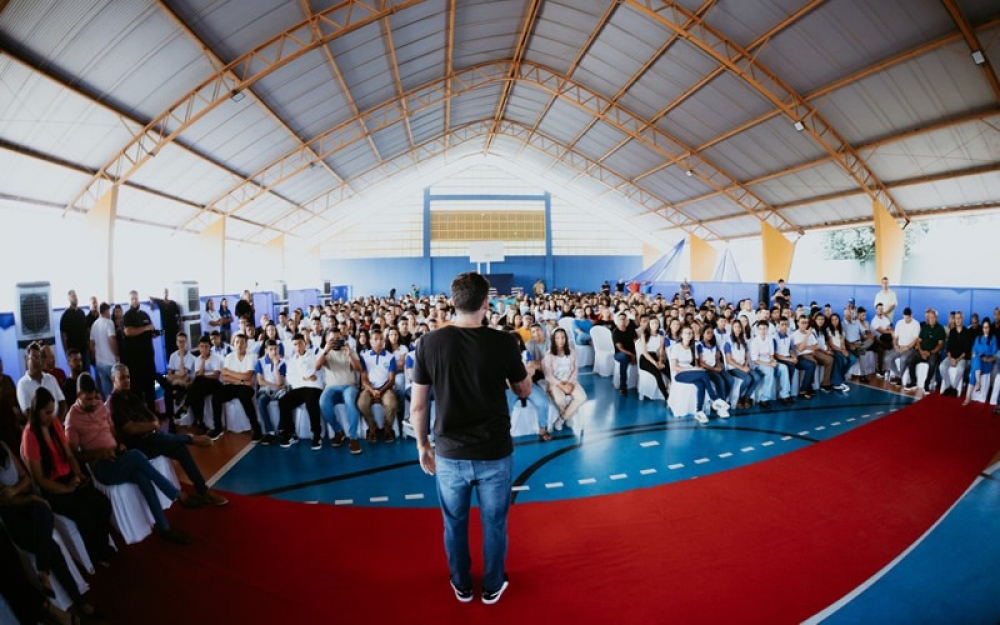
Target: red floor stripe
<point>773,542</point>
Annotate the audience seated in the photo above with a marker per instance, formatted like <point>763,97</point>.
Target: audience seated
<point>306,387</point>
<point>559,366</point>
<point>271,371</point>
<point>237,383</point>
<point>378,376</point>
<point>340,366</point>
<point>35,378</point>
<point>537,398</point>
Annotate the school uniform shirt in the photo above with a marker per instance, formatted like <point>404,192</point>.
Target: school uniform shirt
<point>708,354</point>
<point>177,365</point>
<point>300,367</point>
<point>212,363</point>
<point>761,349</point>
<point>270,369</point>
<point>222,351</point>
<point>738,352</point>
<point>26,388</point>
<point>783,345</point>
<point>234,364</point>
<point>337,369</point>
<point>378,366</point>
<point>683,355</point>
<point>809,338</point>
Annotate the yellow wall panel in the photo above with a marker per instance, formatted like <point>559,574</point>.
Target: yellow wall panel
<point>703,258</point>
<point>778,253</point>
<point>889,245</point>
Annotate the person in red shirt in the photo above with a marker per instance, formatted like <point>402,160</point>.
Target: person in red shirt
<point>69,492</point>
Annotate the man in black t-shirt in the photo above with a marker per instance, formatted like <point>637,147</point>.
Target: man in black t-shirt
<point>137,350</point>
<point>469,366</point>
<point>73,329</point>
<point>623,336</point>
<point>170,320</point>
<point>244,309</point>
<point>782,295</point>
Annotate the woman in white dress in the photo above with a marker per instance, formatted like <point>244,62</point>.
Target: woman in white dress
<point>559,366</point>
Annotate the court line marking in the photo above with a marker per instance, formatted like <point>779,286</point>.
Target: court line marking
<point>221,473</point>
<point>413,496</point>
<point>587,480</point>
<point>342,502</point>
<point>379,499</point>
<point>619,476</point>
<point>647,471</point>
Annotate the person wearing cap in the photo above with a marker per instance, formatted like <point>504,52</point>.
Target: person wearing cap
<point>904,339</point>
<point>886,297</point>
<point>927,348</point>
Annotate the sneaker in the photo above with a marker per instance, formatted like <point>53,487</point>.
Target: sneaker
<point>213,499</point>
<point>558,425</point>
<point>701,417</point>
<point>215,434</point>
<point>489,598</point>
<point>465,596</point>
<point>826,389</point>
<point>338,439</point>
<point>267,439</point>
<point>389,436</point>
<point>175,536</point>
<point>285,442</point>
<point>372,436</point>
<point>257,437</point>
<point>317,443</point>
<point>843,388</point>
<point>910,387</point>
<point>354,446</point>
<point>895,381</point>
<point>720,405</point>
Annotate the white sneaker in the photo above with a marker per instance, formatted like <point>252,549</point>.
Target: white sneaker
<point>722,412</point>
<point>701,417</point>
<point>558,425</point>
<point>844,387</point>
<point>720,405</point>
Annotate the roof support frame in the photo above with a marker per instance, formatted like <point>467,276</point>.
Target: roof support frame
<point>969,34</point>
<point>530,17</point>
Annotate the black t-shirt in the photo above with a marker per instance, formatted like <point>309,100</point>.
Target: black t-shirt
<point>784,296</point>
<point>74,324</point>
<point>125,408</point>
<point>468,369</point>
<point>626,337</point>
<point>138,350</point>
<point>244,309</point>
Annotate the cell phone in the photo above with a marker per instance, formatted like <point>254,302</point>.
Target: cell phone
<point>338,345</point>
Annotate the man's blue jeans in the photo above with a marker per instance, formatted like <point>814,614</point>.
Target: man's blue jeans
<point>491,479</point>
<point>347,395</point>
<point>133,466</point>
<point>174,446</point>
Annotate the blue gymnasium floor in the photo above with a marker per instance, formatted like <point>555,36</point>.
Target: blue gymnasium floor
<point>620,444</point>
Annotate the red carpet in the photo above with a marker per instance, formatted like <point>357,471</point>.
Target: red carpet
<point>774,542</point>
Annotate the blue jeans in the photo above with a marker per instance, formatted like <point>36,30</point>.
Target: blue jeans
<point>538,399</point>
<point>264,398</point>
<point>173,446</point>
<point>134,467</point>
<point>347,395</point>
<point>703,383</point>
<point>623,362</point>
<point>841,365</point>
<point>750,380</point>
<point>808,369</point>
<point>491,479</point>
<point>104,380</point>
<point>722,382</point>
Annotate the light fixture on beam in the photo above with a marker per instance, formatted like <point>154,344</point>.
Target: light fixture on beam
<point>798,125</point>
<point>688,173</point>
<point>978,58</point>
<point>237,95</point>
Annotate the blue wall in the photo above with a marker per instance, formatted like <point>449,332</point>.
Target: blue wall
<point>376,276</point>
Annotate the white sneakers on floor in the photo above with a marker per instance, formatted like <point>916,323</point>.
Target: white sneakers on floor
<point>721,408</point>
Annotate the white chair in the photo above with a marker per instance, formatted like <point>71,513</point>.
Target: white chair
<point>922,371</point>
<point>984,388</point>
<point>62,599</point>
<point>524,419</point>
<point>683,400</point>
<point>648,388</point>
<point>604,351</point>
<point>236,418</point>
<point>868,362</point>
<point>584,353</point>
<point>633,376</point>
<point>131,515</point>
<point>73,542</point>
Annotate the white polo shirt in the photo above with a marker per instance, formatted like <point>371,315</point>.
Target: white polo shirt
<point>187,365</point>
<point>907,333</point>
<point>212,364</point>
<point>301,367</point>
<point>761,349</point>
<point>101,333</point>
<point>378,366</point>
<point>270,369</point>
<point>808,337</point>
<point>26,388</point>
<point>234,364</point>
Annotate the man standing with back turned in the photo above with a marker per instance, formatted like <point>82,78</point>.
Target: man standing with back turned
<point>469,366</point>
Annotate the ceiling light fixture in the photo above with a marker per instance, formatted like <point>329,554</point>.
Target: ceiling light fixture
<point>689,173</point>
<point>237,95</point>
<point>978,58</point>
<point>798,125</point>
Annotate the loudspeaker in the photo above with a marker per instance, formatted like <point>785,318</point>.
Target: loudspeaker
<point>764,293</point>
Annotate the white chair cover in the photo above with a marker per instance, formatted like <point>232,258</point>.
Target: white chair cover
<point>131,515</point>
<point>604,351</point>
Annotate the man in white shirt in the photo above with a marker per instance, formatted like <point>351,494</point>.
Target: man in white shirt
<point>881,328</point>
<point>271,371</point>
<point>904,339</point>
<point>784,353</point>
<point>763,362</point>
<point>378,377</point>
<point>219,347</point>
<point>887,298</point>
<point>807,347</point>
<point>207,371</point>
<point>104,349</point>
<point>180,374</point>
<point>306,388</point>
<point>34,378</point>
<point>237,383</point>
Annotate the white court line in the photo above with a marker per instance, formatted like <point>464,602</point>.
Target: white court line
<point>786,438</point>
<point>554,485</point>
<point>342,502</point>
<point>767,443</point>
<point>413,496</point>
<point>379,499</point>
<point>587,480</point>
<point>619,476</point>
<point>701,461</point>
<point>748,449</point>
<point>518,489</point>
<point>851,420</point>
<point>649,444</point>
<point>851,596</point>
<point>647,471</point>
<point>835,424</point>
<point>728,454</point>
<point>229,465</point>
<point>820,428</point>
<point>676,466</point>
<point>804,433</point>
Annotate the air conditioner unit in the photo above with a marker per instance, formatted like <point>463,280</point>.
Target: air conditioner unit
<point>280,291</point>
<point>326,288</point>
<point>33,315</point>
<point>188,297</point>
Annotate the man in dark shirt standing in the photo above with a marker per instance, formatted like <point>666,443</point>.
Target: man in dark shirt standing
<point>623,336</point>
<point>170,320</point>
<point>244,309</point>
<point>74,331</point>
<point>469,366</point>
<point>137,350</point>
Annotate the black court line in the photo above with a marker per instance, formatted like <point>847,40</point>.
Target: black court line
<point>624,430</point>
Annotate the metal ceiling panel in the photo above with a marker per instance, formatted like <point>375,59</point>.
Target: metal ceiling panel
<point>955,193</point>
<point>361,56</point>
<point>673,185</point>
<point>830,212</point>
<point>142,206</point>
<point>724,103</point>
<point>739,227</point>
<point>239,230</point>
<point>475,105</point>
<point>232,27</point>
<point>840,38</point>
<point>241,135</point>
<point>763,149</point>
<point>264,209</point>
<point>526,103</point>
<point>959,147</point>
<point>681,67</point>
<point>822,179</point>
<point>633,158</point>
<point>306,95</point>
<point>41,115</point>
<point>712,208</point>
<point>931,87</point>
<point>352,159</point>
<point>564,121</point>
<point>392,140</point>
<point>33,179</point>
<point>419,36</point>
<point>624,45</point>
<point>599,140</point>
<point>183,174</point>
<point>428,123</point>
<point>485,30</point>
<point>306,185</point>
<point>978,10</point>
<point>561,30</point>
<point>744,22</point>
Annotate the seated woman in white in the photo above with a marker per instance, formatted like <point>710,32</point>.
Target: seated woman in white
<point>559,366</point>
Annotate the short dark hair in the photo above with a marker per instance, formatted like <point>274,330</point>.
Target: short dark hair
<point>469,290</point>
<point>298,337</point>
<point>270,343</point>
<point>104,307</point>
<point>206,339</point>
<point>72,352</point>
<point>85,384</point>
